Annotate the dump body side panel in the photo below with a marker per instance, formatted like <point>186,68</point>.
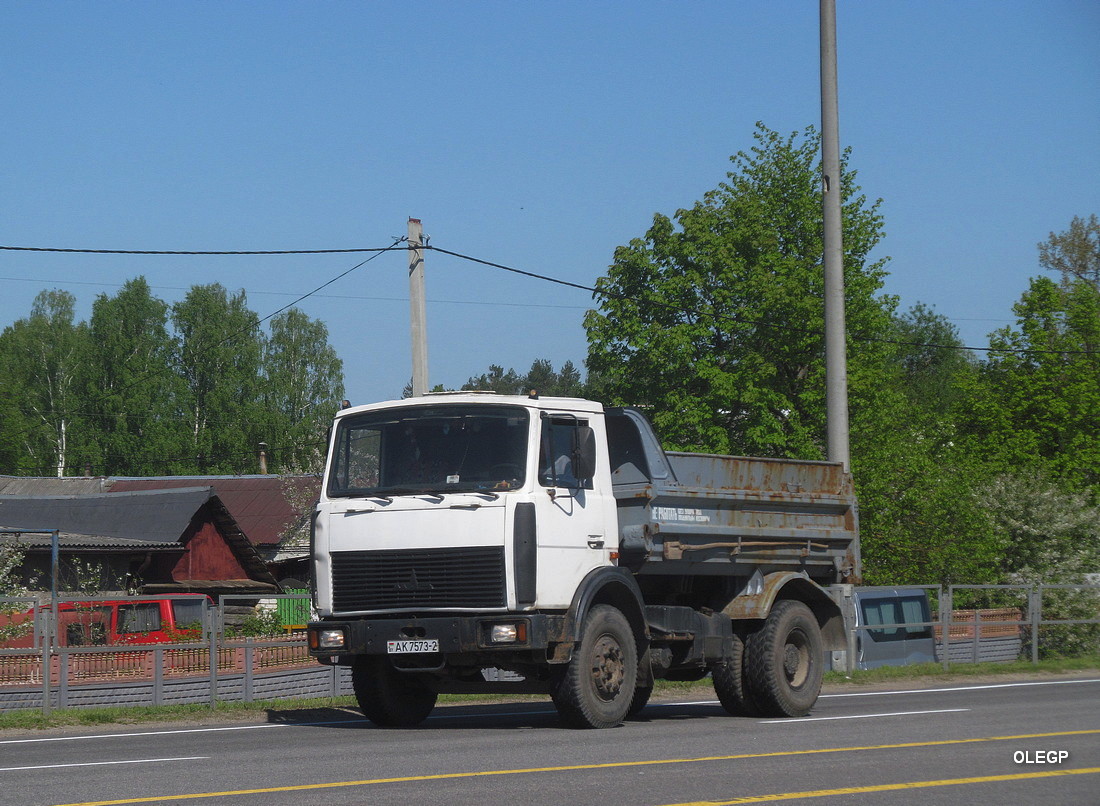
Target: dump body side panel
<point>736,516</point>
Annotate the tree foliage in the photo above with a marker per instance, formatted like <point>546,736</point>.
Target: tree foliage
<point>144,388</point>
<point>541,378</point>
<point>128,384</point>
<point>219,361</point>
<point>302,384</point>
<point>41,358</point>
<point>1075,253</point>
<point>1039,393</point>
<point>714,322</point>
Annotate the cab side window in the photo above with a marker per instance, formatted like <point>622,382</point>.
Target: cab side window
<point>556,453</point>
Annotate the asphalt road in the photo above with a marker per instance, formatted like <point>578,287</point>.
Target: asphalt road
<point>1001,743</point>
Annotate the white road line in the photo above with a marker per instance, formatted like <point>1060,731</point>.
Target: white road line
<point>958,688</point>
<point>103,763</point>
<point>440,715</point>
<point>180,730</point>
<point>856,716</point>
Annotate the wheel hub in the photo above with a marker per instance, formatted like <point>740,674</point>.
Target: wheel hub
<point>795,662</point>
<point>607,668</point>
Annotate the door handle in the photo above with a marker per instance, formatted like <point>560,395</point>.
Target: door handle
<point>595,542</point>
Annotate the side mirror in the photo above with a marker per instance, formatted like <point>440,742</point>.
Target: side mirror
<point>584,452</point>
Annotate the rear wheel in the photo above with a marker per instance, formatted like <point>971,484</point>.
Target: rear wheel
<point>597,687</point>
<point>387,697</point>
<point>730,685</point>
<point>784,661</point>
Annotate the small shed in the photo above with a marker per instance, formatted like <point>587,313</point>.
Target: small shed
<point>181,540</point>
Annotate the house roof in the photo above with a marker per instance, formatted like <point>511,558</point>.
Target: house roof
<point>159,517</point>
<point>260,505</point>
<point>72,541</point>
<point>39,485</point>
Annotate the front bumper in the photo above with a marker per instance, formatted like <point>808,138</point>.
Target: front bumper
<point>465,635</point>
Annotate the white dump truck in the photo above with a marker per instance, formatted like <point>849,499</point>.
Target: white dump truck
<point>475,542</point>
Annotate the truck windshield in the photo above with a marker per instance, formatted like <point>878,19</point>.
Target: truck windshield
<point>438,449</point>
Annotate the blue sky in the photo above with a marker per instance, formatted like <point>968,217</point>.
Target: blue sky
<point>537,135</point>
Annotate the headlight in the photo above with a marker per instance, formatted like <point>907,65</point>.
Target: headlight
<point>330,639</point>
<point>511,633</point>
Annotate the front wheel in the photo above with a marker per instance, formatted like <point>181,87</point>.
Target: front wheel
<point>784,662</point>
<point>387,697</point>
<point>597,687</point>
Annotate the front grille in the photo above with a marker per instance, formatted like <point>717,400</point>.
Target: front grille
<point>447,577</point>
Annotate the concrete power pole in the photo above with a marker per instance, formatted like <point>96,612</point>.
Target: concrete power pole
<point>418,315</point>
<point>836,362</point>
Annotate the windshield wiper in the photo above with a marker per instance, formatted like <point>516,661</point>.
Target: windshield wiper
<point>486,493</point>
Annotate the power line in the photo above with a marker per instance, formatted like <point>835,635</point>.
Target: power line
<point>192,252</point>
<point>590,289</point>
<point>232,336</point>
<point>356,297</point>
<point>596,292</point>
<point>756,323</point>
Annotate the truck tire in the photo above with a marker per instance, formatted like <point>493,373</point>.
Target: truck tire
<point>639,700</point>
<point>596,688</point>
<point>729,683</point>
<point>387,697</point>
<point>784,661</point>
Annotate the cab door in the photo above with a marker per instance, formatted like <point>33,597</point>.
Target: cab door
<point>572,504</point>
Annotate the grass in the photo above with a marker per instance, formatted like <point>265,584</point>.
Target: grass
<point>931,672</point>
<point>335,707</point>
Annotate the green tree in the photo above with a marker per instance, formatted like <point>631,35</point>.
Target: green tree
<point>11,586</point>
<point>129,386</point>
<point>495,380</point>
<point>1039,393</point>
<point>541,377</point>
<point>920,520</point>
<point>935,365</point>
<point>1049,534</point>
<point>1074,253</point>
<point>219,362</point>
<point>11,560</point>
<point>715,322</point>
<point>40,358</point>
<point>302,388</point>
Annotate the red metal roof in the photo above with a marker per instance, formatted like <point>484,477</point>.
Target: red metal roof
<point>262,506</point>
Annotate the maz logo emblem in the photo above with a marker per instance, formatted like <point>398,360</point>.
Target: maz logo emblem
<point>413,585</point>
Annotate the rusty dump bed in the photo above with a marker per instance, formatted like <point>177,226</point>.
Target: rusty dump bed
<point>734,516</point>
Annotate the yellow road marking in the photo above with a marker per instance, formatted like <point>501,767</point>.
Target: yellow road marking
<point>604,766</point>
<point>861,790</point>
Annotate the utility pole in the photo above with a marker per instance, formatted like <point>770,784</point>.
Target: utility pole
<point>836,362</point>
<point>418,315</point>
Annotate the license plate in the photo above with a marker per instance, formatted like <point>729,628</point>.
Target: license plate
<point>405,647</point>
